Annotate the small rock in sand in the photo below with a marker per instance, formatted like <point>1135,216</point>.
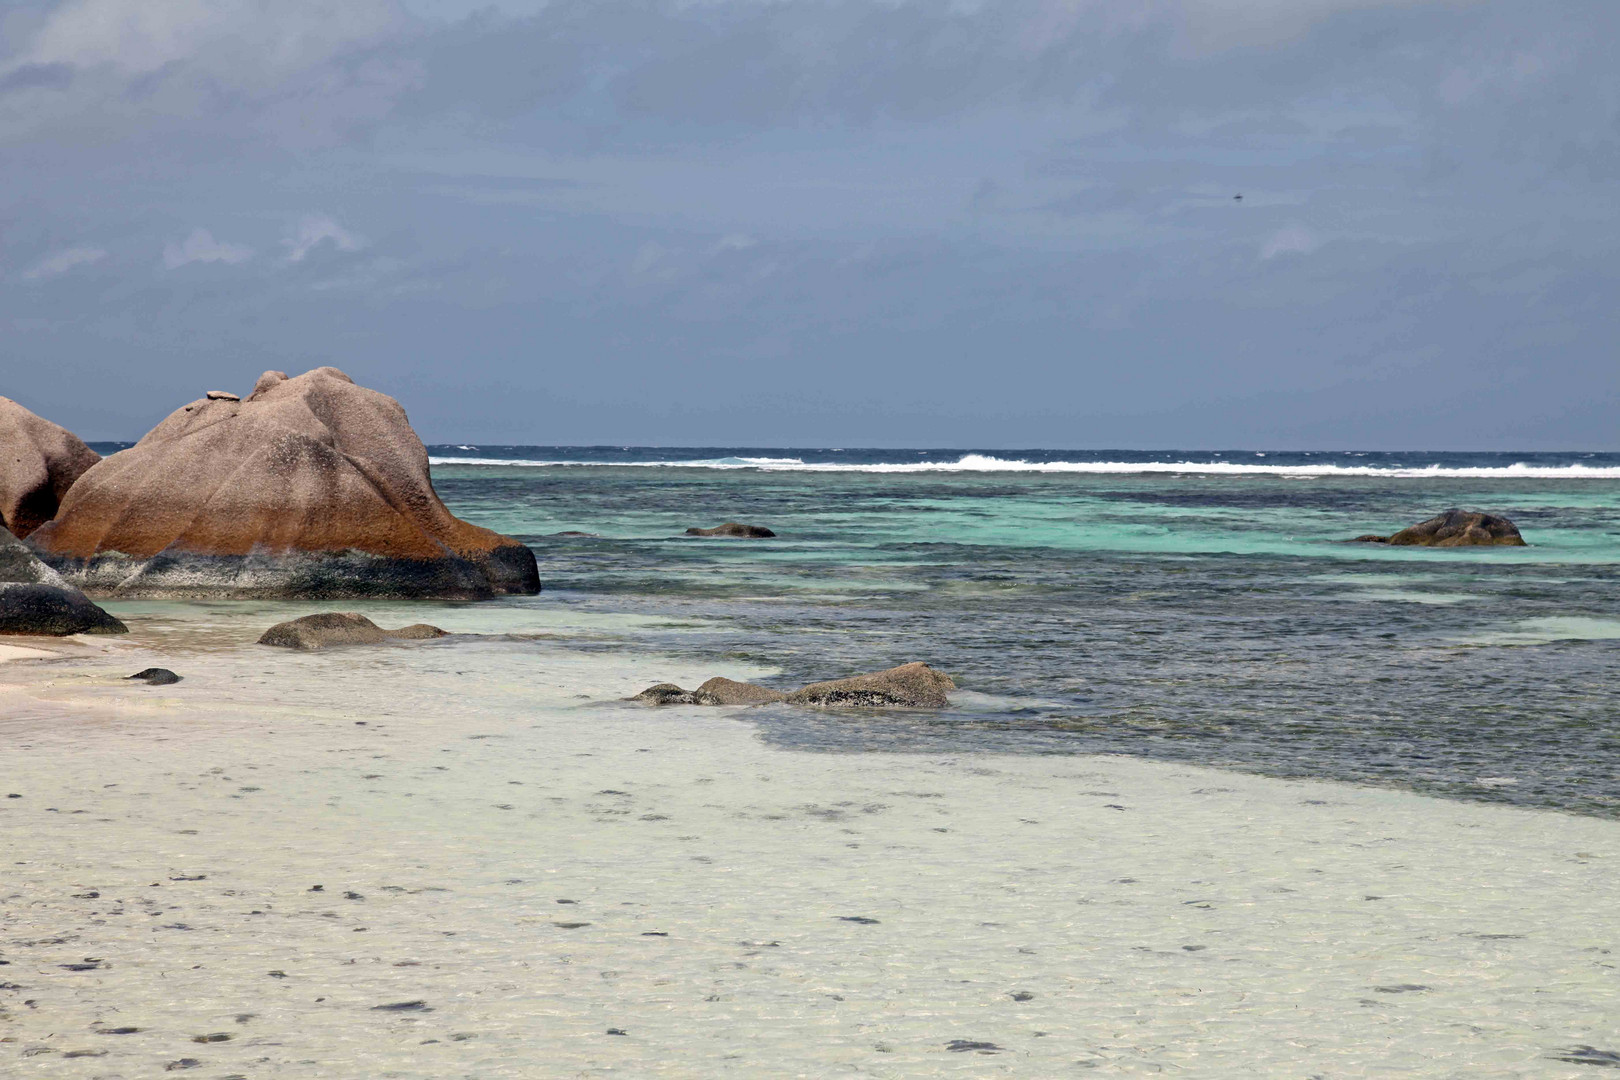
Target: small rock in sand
<point>341,628</point>
<point>732,528</point>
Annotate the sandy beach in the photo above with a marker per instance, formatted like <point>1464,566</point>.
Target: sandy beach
<point>467,858</point>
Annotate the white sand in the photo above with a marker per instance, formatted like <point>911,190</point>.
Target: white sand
<point>1158,918</point>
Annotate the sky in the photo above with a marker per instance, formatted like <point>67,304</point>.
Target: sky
<point>953,223</point>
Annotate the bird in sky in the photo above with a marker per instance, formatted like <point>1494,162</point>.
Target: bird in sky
<point>1237,198</point>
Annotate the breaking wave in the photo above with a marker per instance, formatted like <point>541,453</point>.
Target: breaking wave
<point>984,463</point>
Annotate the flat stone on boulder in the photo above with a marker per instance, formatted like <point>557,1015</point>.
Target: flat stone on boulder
<point>914,685</point>
<point>39,462</point>
<point>341,628</point>
<point>1454,528</point>
<point>312,487</point>
<point>732,528</point>
<point>35,600</point>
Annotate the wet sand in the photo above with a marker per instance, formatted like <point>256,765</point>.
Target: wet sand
<point>467,859</point>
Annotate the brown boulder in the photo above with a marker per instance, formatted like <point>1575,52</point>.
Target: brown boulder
<point>732,528</point>
<point>723,691</point>
<point>38,463</point>
<point>35,600</point>
<point>341,628</point>
<point>311,487</point>
<point>914,685</point>
<point>1454,528</point>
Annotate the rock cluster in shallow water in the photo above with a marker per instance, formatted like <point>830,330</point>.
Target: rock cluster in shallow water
<point>914,685</point>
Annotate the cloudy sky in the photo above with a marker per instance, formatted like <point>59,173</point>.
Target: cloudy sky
<point>820,222</point>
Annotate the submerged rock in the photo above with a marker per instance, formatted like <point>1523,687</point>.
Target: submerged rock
<point>341,628</point>
<point>155,676</point>
<point>914,685</point>
<point>732,528</point>
<point>311,487</point>
<point>39,462</point>
<point>35,600</point>
<point>1454,528</point>
<point>723,691</point>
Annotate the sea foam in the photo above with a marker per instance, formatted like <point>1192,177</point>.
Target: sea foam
<point>984,463</point>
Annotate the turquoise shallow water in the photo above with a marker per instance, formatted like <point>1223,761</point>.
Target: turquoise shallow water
<point>1199,616</point>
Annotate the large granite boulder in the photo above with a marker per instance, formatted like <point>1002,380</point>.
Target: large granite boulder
<point>35,600</point>
<point>38,463</point>
<point>1454,528</point>
<point>311,487</point>
<point>341,628</point>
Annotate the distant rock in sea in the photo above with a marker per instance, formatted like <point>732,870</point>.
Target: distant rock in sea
<point>1454,528</point>
<point>39,462</point>
<point>311,487</point>
<point>35,600</point>
<point>732,528</point>
<point>914,685</point>
<point>341,628</point>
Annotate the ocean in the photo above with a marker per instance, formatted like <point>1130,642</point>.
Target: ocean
<point>1187,606</point>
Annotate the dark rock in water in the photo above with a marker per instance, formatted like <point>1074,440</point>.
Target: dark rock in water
<point>914,685</point>
<point>1454,528</point>
<point>572,535</point>
<point>732,528</point>
<point>39,461</point>
<point>341,628</point>
<point>962,1046</point>
<point>666,693</point>
<point>311,487</point>
<point>35,600</point>
<point>722,691</point>
<point>156,676</point>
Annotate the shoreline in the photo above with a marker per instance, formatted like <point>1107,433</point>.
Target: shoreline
<point>1095,914</point>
